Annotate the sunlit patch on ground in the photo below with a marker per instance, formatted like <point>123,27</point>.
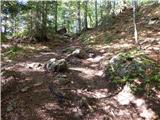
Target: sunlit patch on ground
<point>126,97</point>
<point>87,72</point>
<point>27,66</point>
<point>96,59</point>
<point>100,93</point>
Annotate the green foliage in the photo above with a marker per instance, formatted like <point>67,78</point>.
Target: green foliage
<point>86,38</point>
<point>108,39</point>
<point>21,33</point>
<point>135,68</point>
<point>13,52</point>
<point>3,38</point>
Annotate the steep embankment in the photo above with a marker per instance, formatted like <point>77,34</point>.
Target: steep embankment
<point>120,35</point>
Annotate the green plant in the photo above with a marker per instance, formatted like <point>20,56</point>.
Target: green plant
<point>3,38</point>
<point>108,39</point>
<point>13,52</point>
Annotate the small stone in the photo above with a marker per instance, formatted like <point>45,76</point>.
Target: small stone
<point>9,108</point>
<point>25,89</point>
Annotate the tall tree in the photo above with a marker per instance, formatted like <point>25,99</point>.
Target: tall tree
<point>79,16</point>
<point>134,3</point>
<point>55,14</point>
<point>96,15</point>
<point>85,15</point>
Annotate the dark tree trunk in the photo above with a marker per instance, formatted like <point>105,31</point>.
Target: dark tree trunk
<point>96,15</point>
<point>56,7</point>
<point>85,15</point>
<point>79,16</point>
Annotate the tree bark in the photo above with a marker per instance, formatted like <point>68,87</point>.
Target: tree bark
<point>96,15</point>
<point>85,15</point>
<point>56,7</point>
<point>79,16</point>
<point>134,21</point>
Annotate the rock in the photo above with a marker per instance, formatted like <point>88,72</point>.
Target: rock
<point>129,66</point>
<point>54,65</point>
<point>25,89</point>
<point>11,106</point>
<point>154,20</point>
<point>80,53</point>
<point>92,55</point>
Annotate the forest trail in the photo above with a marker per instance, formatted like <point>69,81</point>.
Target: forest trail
<point>90,95</point>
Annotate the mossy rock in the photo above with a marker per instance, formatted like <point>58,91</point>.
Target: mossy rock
<point>126,67</point>
<point>54,65</point>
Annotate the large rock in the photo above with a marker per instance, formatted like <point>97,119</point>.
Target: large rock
<point>79,53</point>
<point>128,66</point>
<point>54,65</point>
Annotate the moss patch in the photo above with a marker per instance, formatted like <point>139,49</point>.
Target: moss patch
<point>135,68</point>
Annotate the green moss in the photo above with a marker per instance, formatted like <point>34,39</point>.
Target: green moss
<point>134,65</point>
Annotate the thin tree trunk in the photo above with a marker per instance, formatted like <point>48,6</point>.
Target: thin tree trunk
<point>64,18</point>
<point>113,11</point>
<point>85,15</point>
<point>101,12</point>
<point>56,7</point>
<point>15,25</point>
<point>38,18</point>
<point>44,20</point>
<point>5,26</point>
<point>96,15</point>
<point>134,22</point>
<point>79,16</point>
<point>68,25</point>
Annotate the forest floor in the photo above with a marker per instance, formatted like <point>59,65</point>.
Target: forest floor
<point>90,95</point>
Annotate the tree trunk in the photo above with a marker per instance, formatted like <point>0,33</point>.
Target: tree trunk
<point>5,26</point>
<point>64,18</point>
<point>56,7</point>
<point>68,25</point>
<point>134,22</point>
<point>96,15</point>
<point>15,27</point>
<point>113,11</point>
<point>85,15</point>
<point>79,16</point>
<point>44,21</point>
<point>101,12</point>
<point>37,19</point>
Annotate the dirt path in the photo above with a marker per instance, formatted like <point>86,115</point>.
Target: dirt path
<point>90,96</point>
